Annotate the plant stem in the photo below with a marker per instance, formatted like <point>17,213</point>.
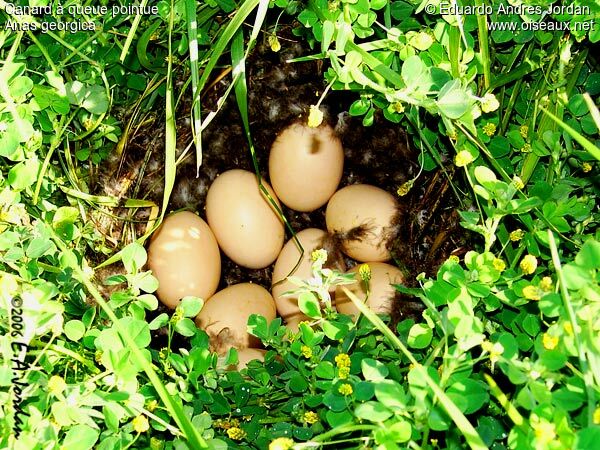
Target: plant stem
<point>583,363</point>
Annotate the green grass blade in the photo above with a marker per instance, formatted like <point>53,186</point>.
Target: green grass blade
<point>470,434</point>
<point>581,140</point>
<point>192,26</point>
<point>584,366</point>
<point>593,109</point>
<point>131,34</point>
<point>170,129</point>
<point>510,409</point>
<point>482,31</point>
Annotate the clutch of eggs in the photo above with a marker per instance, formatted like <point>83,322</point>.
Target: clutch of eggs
<point>184,256</point>
<point>367,207</point>
<point>246,226</point>
<point>305,166</point>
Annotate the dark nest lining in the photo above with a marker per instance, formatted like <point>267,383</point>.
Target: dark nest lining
<point>280,93</point>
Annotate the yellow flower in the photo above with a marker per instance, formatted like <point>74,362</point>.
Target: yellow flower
<point>311,417</point>
<point>526,148</point>
<point>518,183</point>
<point>306,351</point>
<point>454,259</point>
<point>523,131</point>
<point>405,188</point>
<point>315,116</point>
<point>489,103</point>
<point>568,328</point>
<point>281,443</point>
<point>463,158</point>
<point>365,272</point>
<point>319,256</point>
<point>343,372</point>
<point>494,349</point>
<point>398,107</point>
<point>546,284</point>
<point>531,293</point>
<point>544,431</point>
<point>56,385</point>
<point>345,389</point>
<point>342,360</point>
<point>516,235</point>
<point>499,264</point>
<point>489,129</point>
<point>274,43</point>
<point>236,433</point>
<point>550,342</point>
<point>586,167</point>
<point>152,405</point>
<point>597,416</point>
<point>140,424</point>
<point>528,264</point>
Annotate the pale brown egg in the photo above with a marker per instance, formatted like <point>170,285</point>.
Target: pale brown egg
<point>311,239</point>
<point>367,207</point>
<point>224,316</point>
<point>380,286</point>
<point>247,228</point>
<point>184,256</point>
<point>305,166</point>
<point>245,355</point>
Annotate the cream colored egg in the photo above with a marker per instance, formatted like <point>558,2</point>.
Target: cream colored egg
<point>247,228</point>
<point>225,315</point>
<point>305,166</point>
<point>184,256</point>
<point>367,206</point>
<point>311,239</point>
<point>380,286</point>
<point>245,355</point>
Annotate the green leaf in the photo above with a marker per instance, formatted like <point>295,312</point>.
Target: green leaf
<point>297,383</point>
<point>337,419</point>
<point>589,255</point>
<point>80,437</point>
<point>24,174</point>
<point>134,257</point>
<point>309,305</point>
<point>74,330</point>
<point>190,306</point>
<point>325,369</point>
<point>92,98</point>
<point>186,327</point>
<point>391,394</point>
<point>453,100</point>
<point>373,370</point>
<point>159,321</point>
<point>474,393</point>
<point>420,336</point>
<point>373,412</point>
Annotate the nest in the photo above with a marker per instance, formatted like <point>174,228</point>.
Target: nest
<point>426,230</point>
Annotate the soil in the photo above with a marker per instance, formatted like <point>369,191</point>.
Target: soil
<point>280,93</point>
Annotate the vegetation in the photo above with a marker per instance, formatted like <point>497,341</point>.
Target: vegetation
<point>507,351</point>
